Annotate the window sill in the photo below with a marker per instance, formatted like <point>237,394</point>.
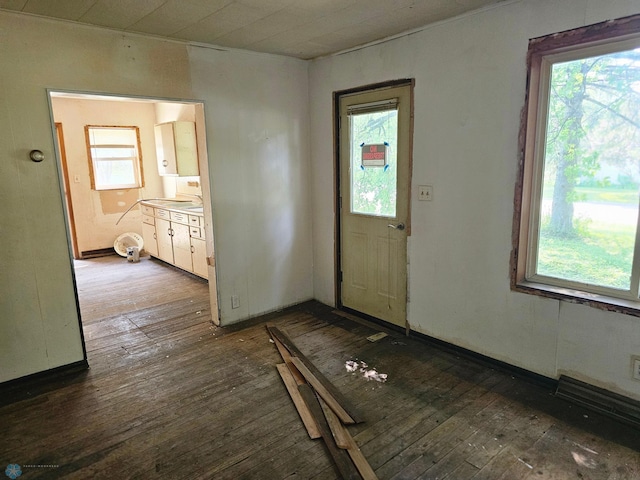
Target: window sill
<point>595,300</point>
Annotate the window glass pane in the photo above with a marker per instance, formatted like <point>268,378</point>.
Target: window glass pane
<point>112,136</point>
<point>124,152</point>
<point>373,188</point>
<point>589,206</point>
<point>114,173</point>
<point>114,157</point>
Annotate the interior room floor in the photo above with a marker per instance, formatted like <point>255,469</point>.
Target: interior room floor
<point>169,395</point>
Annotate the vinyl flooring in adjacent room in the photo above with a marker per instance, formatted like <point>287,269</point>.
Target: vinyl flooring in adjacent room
<point>169,395</point>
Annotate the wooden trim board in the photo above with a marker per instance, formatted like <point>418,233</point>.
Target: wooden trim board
<point>322,391</point>
<point>322,385</point>
<point>341,458</point>
<point>344,440</point>
<point>292,387</point>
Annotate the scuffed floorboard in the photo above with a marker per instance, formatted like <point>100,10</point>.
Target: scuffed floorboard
<point>169,395</point>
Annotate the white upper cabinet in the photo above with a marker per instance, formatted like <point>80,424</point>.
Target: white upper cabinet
<point>176,149</point>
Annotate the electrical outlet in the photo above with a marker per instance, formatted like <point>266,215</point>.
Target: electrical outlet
<point>425,193</point>
<point>235,301</point>
<point>635,365</point>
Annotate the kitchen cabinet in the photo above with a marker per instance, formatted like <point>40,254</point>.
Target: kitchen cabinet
<point>176,237</point>
<point>199,256</point>
<point>181,241</point>
<point>176,149</point>
<point>165,242</point>
<point>198,246</point>
<point>149,231</point>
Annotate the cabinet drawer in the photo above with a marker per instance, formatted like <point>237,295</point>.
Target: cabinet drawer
<point>148,219</point>
<point>162,213</point>
<point>196,232</point>
<point>147,210</point>
<point>179,218</point>
<point>194,221</point>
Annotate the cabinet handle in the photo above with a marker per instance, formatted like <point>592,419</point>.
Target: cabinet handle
<point>155,237</point>
<point>192,249</point>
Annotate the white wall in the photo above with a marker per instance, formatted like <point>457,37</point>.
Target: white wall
<point>470,78</point>
<point>256,108</point>
<point>94,212</point>
<point>261,208</point>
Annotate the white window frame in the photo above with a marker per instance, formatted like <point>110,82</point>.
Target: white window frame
<point>135,161</point>
<point>599,39</point>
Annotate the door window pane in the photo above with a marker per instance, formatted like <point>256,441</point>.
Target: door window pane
<point>374,188</point>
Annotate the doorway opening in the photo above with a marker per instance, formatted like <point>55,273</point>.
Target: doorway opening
<point>114,231</point>
<point>373,149</point>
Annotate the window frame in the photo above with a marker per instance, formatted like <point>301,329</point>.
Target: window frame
<point>606,37</point>
<point>137,164</point>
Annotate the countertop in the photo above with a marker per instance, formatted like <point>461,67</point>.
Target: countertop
<point>186,206</point>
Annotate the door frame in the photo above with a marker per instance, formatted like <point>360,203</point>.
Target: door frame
<point>205,181</point>
<point>66,184</point>
<point>337,95</point>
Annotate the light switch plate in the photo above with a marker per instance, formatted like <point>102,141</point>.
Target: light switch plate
<point>425,193</point>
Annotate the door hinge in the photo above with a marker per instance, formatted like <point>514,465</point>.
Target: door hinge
<point>340,276</point>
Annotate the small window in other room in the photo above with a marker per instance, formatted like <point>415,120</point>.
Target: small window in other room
<point>115,161</point>
<point>578,195</point>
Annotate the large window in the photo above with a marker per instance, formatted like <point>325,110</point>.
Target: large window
<point>114,157</point>
<point>578,225</point>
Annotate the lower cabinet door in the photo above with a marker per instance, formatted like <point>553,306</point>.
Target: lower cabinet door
<point>163,234</point>
<point>149,238</point>
<point>181,246</point>
<point>199,257</point>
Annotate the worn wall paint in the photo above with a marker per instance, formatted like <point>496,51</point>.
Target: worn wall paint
<point>256,108</point>
<point>117,202</point>
<point>470,78</point>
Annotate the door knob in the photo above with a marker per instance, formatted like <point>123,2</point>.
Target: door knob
<point>400,226</point>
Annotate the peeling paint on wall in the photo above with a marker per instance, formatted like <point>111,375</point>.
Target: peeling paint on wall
<point>117,201</point>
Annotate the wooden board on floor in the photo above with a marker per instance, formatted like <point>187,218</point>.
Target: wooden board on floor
<point>340,457</point>
<point>345,441</point>
<point>321,381</point>
<point>324,393</point>
<point>303,411</point>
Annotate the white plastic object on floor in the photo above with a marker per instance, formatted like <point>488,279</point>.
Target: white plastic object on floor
<point>129,239</point>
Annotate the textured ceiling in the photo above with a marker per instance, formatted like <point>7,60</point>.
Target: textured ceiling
<point>297,28</point>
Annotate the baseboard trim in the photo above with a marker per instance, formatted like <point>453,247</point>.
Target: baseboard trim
<point>29,386</point>
<point>621,408</point>
<point>540,380</point>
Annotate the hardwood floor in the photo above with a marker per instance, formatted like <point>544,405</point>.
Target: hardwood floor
<point>169,395</point>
